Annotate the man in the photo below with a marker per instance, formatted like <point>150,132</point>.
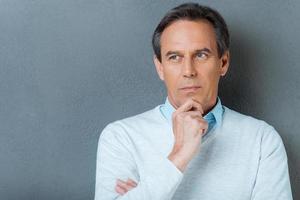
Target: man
<point>191,147</point>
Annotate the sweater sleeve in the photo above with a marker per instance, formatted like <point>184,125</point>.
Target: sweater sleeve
<point>272,181</point>
<point>115,159</point>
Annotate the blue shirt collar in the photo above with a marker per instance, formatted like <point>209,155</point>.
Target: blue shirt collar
<point>214,116</point>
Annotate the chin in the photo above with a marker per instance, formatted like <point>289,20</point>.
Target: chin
<point>191,96</point>
<point>195,97</point>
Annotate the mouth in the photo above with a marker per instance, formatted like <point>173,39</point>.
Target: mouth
<point>190,88</point>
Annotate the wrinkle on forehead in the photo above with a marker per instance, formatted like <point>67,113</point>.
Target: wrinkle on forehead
<point>189,36</point>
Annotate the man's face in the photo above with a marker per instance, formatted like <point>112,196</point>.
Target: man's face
<point>189,57</point>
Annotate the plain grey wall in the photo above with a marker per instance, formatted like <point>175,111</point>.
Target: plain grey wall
<point>69,67</point>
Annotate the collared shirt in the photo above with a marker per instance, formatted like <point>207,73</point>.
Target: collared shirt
<point>214,117</point>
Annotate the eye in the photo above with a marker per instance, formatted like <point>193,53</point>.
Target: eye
<point>174,58</point>
<point>201,55</point>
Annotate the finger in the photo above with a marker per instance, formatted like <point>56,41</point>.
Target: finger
<point>190,104</point>
<point>203,131</point>
<point>120,190</point>
<point>194,114</point>
<point>203,125</point>
<point>124,185</point>
<point>131,182</point>
<point>120,185</point>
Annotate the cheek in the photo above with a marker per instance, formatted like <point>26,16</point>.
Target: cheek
<point>210,78</point>
<point>171,76</point>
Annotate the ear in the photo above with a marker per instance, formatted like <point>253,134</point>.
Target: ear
<point>159,68</point>
<point>224,63</point>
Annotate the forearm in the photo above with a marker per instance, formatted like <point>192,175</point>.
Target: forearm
<point>159,181</point>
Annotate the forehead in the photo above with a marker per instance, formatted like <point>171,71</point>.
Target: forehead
<point>184,35</point>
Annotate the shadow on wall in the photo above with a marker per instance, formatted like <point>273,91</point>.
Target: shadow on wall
<point>241,87</point>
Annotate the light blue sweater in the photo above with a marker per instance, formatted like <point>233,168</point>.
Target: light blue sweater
<point>241,159</point>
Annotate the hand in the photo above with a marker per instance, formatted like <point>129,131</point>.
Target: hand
<point>123,187</point>
<point>188,128</point>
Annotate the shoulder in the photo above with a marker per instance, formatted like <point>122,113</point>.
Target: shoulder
<point>233,118</point>
<point>250,125</point>
<point>149,117</point>
<point>124,127</point>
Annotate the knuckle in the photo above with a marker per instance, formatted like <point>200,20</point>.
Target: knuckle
<point>176,117</point>
<point>188,118</point>
<point>180,116</point>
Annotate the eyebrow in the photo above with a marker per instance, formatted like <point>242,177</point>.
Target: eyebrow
<point>203,50</point>
<point>196,51</point>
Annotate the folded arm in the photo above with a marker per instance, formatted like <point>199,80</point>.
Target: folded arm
<point>115,160</point>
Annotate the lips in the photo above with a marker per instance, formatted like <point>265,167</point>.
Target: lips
<point>190,87</point>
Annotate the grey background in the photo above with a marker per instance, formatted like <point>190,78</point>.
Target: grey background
<point>69,67</point>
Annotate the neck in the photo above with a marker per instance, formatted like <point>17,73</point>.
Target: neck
<point>210,107</point>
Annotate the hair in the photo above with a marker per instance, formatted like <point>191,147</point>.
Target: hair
<point>193,12</point>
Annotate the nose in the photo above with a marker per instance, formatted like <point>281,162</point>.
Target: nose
<point>188,69</point>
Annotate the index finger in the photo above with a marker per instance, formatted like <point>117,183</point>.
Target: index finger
<point>190,104</point>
